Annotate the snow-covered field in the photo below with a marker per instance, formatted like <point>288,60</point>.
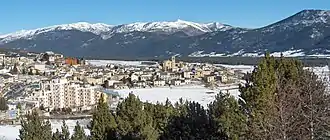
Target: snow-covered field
<point>243,68</point>
<point>192,93</point>
<point>11,132</point>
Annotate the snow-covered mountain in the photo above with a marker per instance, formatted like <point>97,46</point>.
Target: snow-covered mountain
<point>106,31</point>
<point>97,29</point>
<point>306,33</point>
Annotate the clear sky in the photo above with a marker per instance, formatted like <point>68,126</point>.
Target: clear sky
<point>29,14</point>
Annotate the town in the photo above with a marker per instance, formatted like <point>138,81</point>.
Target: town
<point>62,87</point>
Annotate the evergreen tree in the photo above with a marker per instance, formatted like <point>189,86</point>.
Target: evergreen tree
<point>283,101</point>
<point>78,133</point>
<point>133,121</point>
<point>65,135</point>
<point>14,70</point>
<point>57,135</point>
<point>227,117</point>
<point>161,114</point>
<point>191,122</point>
<point>19,107</point>
<point>3,104</point>
<point>34,128</point>
<point>259,99</point>
<point>23,71</point>
<point>103,123</point>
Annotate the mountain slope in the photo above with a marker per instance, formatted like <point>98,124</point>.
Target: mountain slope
<point>304,33</point>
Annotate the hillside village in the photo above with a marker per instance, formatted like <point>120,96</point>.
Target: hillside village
<point>63,86</point>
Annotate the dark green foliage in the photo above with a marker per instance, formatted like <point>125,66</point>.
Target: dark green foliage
<point>259,99</point>
<point>34,128</point>
<point>227,117</point>
<point>133,121</point>
<point>65,135</point>
<point>78,133</point>
<point>190,122</point>
<point>3,104</point>
<point>103,122</point>
<point>161,114</point>
<point>57,135</point>
<point>281,100</point>
<point>19,106</point>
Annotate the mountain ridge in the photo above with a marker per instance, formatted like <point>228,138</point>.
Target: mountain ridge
<point>102,28</point>
<point>305,33</point>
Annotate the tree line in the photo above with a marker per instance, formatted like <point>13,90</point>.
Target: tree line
<point>280,100</point>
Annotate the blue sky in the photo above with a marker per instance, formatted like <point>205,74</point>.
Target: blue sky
<point>30,14</point>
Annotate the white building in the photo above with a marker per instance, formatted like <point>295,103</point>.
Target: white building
<point>59,93</point>
<point>176,82</point>
<point>159,83</point>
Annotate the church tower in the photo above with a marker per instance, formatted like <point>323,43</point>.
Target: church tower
<point>173,62</point>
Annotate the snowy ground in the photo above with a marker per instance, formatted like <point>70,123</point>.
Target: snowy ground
<point>243,68</point>
<point>192,93</point>
<point>11,132</point>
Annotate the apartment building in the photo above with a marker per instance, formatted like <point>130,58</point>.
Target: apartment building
<point>60,93</point>
<point>80,96</point>
<point>52,92</point>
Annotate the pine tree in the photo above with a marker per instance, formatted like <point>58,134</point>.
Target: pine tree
<point>65,135</point>
<point>3,104</point>
<point>78,133</point>
<point>23,71</point>
<point>161,114</point>
<point>103,123</point>
<point>283,101</point>
<point>14,70</point>
<point>259,99</point>
<point>133,121</point>
<point>227,117</point>
<point>190,122</point>
<point>34,128</point>
<point>19,106</point>
<point>57,135</point>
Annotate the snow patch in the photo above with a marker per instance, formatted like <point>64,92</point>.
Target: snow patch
<point>289,53</point>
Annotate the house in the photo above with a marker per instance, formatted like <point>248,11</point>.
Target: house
<point>159,83</point>
<point>94,80</point>
<point>164,76</point>
<point>175,76</point>
<point>169,64</point>
<point>120,85</point>
<point>134,77</point>
<point>40,66</point>
<point>187,81</point>
<point>176,82</point>
<point>186,74</point>
<point>209,78</point>
<point>145,77</point>
<point>206,72</point>
<point>223,78</point>
<point>140,84</point>
<point>109,83</point>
